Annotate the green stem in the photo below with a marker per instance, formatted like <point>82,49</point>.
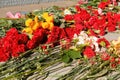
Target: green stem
<point>13,69</point>
<point>10,63</point>
<point>47,71</point>
<point>97,69</point>
<point>99,74</point>
<point>71,73</point>
<point>82,71</point>
<point>39,60</point>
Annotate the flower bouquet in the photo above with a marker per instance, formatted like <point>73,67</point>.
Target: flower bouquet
<point>41,43</point>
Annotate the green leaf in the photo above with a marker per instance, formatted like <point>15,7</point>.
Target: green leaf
<point>10,22</point>
<point>104,0</point>
<point>70,54</point>
<point>81,46</point>
<point>65,58</point>
<point>3,22</point>
<point>74,54</point>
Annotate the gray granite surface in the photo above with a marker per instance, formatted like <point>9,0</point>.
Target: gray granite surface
<point>4,3</point>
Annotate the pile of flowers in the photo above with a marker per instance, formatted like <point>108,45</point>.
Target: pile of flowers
<point>31,44</point>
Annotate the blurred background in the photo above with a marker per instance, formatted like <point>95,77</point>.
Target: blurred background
<point>30,5</point>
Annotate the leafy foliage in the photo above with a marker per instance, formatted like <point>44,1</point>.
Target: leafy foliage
<point>6,24</point>
<point>70,55</point>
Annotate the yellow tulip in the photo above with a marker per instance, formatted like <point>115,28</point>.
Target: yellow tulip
<point>45,15</point>
<point>36,26</point>
<point>36,19</point>
<point>45,25</point>
<point>29,22</point>
<point>28,30</point>
<point>51,25</point>
<point>32,25</point>
<point>49,19</point>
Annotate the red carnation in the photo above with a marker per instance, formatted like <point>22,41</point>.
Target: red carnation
<point>70,32</point>
<point>77,18</point>
<point>78,8</point>
<point>62,34</point>
<point>84,15</point>
<point>54,35</point>
<point>11,32</point>
<point>23,38</point>
<point>111,27</point>
<point>79,28</point>
<point>3,56</point>
<point>1,42</point>
<point>102,31</point>
<point>12,44</point>
<point>112,60</point>
<point>88,52</point>
<point>89,7</point>
<point>102,5</point>
<point>105,56</point>
<point>39,37</point>
<point>93,20</point>
<point>95,12</point>
<point>103,42</point>
<point>7,46</point>
<point>118,61</point>
<point>91,33</point>
<point>68,17</point>
<point>113,65</point>
<point>31,44</point>
<point>18,49</point>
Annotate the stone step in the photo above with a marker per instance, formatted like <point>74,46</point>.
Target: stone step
<point>6,3</point>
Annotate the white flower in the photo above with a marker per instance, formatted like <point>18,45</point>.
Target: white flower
<point>75,36</point>
<point>95,45</point>
<point>66,11</point>
<point>83,38</point>
<point>93,38</point>
<point>80,40</point>
<point>100,11</point>
<point>82,33</point>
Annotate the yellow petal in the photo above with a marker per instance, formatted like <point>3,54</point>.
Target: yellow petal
<point>45,25</point>
<point>36,26</point>
<point>28,30</point>
<point>28,22</point>
<point>51,25</point>
<point>45,15</point>
<point>36,18</point>
<point>49,19</point>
